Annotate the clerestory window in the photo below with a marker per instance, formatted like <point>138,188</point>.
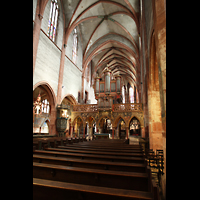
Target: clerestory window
<point>131,95</point>
<point>53,19</point>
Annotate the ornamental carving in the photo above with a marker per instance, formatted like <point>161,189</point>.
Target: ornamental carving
<point>126,111</point>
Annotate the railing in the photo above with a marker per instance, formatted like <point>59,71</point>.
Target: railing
<point>127,107</point>
<point>85,108</point>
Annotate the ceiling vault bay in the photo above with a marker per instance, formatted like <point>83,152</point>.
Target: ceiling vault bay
<point>110,35</point>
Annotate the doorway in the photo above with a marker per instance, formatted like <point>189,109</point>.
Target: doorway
<point>134,127</point>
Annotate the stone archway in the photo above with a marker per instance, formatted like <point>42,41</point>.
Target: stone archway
<point>134,127</point>
<point>46,93</point>
<point>70,98</point>
<point>105,124</point>
<point>119,125</point>
<point>90,126</point>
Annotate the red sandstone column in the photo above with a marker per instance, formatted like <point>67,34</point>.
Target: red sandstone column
<point>127,132</point>
<point>143,131</point>
<point>83,132</point>
<point>72,127</point>
<point>61,72</point>
<point>113,129</point>
<point>36,35</point>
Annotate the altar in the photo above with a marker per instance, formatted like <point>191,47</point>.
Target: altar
<point>102,135</point>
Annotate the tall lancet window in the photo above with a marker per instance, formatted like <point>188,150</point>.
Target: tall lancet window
<point>131,95</point>
<point>75,46</point>
<point>53,19</point>
<point>123,94</point>
<point>45,106</point>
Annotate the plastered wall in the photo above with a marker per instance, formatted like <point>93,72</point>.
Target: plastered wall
<point>49,54</point>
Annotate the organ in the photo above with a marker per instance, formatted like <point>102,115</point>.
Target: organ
<point>107,90</point>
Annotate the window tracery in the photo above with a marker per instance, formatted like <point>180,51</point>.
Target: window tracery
<point>53,19</point>
<point>45,106</point>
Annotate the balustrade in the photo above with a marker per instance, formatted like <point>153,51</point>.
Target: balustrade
<point>85,108</point>
<point>127,107</point>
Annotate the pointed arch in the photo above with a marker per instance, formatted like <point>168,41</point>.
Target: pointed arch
<point>116,120</point>
<point>71,98</point>
<point>138,118</point>
<point>49,90</point>
<point>73,120</point>
<point>104,116</point>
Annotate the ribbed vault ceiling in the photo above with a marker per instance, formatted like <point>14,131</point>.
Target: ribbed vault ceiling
<point>110,34</point>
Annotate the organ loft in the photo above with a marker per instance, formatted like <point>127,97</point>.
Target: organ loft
<point>99,88</point>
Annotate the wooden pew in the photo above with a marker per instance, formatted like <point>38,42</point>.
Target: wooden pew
<point>51,190</point>
<point>100,149</point>
<point>96,177</point>
<point>106,163</point>
<point>97,152</point>
<point>155,162</point>
<point>121,147</point>
<point>42,142</point>
<point>91,157</point>
<point>93,164</point>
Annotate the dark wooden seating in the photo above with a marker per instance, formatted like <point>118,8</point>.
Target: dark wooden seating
<point>98,169</point>
<point>104,146</point>
<point>93,164</point>
<point>92,156</point>
<point>96,177</point>
<point>97,152</point>
<point>54,142</point>
<point>46,189</point>
<point>155,162</point>
<point>100,149</point>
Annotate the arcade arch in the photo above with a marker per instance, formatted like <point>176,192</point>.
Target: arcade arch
<point>44,108</point>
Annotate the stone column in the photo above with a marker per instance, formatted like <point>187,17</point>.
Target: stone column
<point>134,92</point>
<point>90,131</point>
<point>113,132</point>
<point>60,78</point>
<point>127,132</point>
<point>84,130</point>
<point>52,124</point>
<point>143,131</point>
<point>72,127</point>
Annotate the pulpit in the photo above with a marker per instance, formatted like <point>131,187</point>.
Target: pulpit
<point>61,125</point>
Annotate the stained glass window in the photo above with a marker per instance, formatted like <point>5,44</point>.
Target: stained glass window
<point>131,95</point>
<point>53,18</point>
<point>45,106</point>
<point>75,46</point>
<point>123,94</point>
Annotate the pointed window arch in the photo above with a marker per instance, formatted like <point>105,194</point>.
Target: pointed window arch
<point>53,19</point>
